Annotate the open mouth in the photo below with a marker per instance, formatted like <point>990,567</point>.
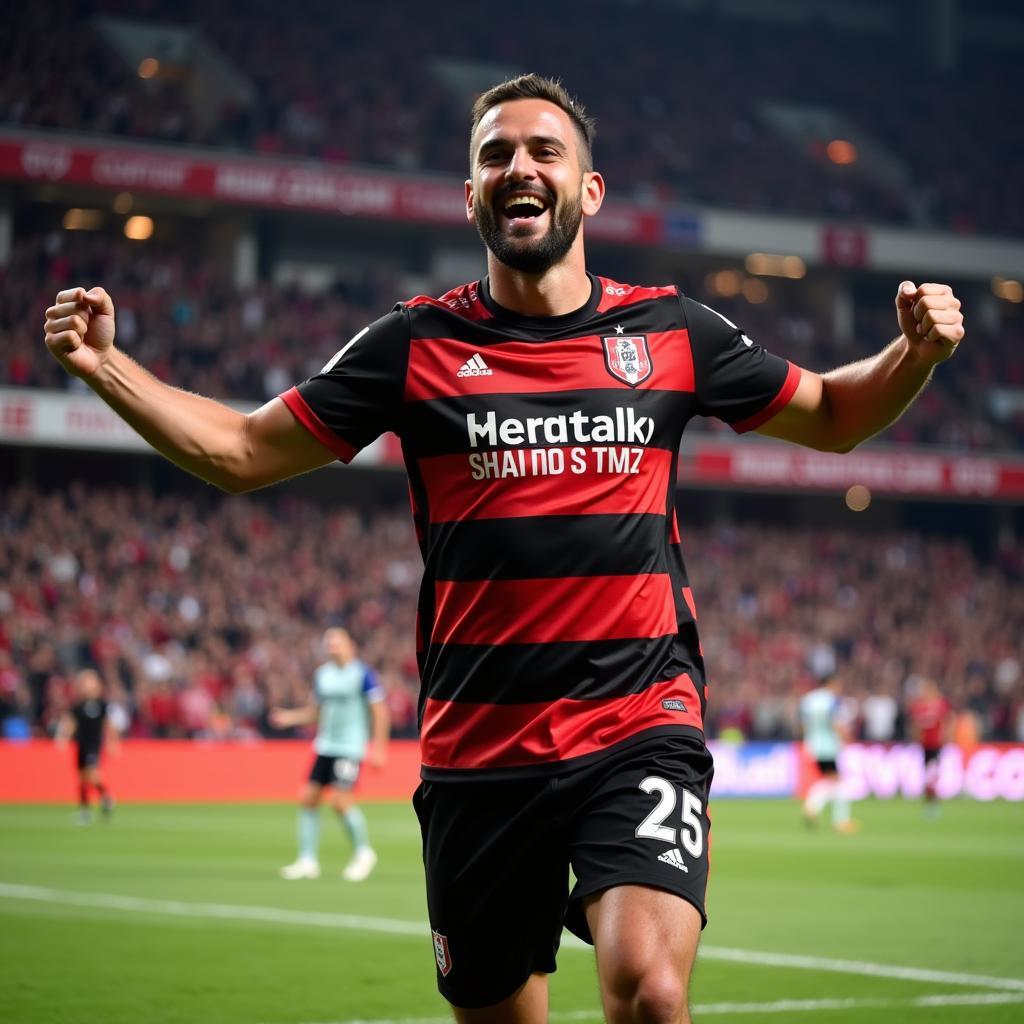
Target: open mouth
<point>523,208</point>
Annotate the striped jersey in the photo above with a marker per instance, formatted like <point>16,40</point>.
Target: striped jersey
<point>555,619</point>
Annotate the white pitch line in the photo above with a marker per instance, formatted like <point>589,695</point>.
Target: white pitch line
<point>779,1006</point>
<point>416,929</point>
<point>818,963</point>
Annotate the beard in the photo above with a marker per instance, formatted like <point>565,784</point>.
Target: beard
<point>533,256</point>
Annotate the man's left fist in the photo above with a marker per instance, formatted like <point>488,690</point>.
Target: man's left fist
<point>930,319</point>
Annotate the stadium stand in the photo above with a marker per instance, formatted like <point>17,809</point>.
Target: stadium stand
<point>201,612</point>
<point>695,141</point>
<point>180,315</point>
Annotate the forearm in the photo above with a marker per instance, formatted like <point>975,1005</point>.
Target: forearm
<point>865,397</point>
<point>381,722</point>
<point>201,436</point>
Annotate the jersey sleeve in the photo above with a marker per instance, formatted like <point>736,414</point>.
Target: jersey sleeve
<point>735,379</point>
<point>358,395</point>
<point>372,689</point>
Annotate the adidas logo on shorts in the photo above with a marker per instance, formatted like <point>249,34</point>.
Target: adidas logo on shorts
<point>475,367</point>
<point>675,858</point>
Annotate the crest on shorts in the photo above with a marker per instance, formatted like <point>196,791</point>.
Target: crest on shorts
<point>628,358</point>
<point>441,954</point>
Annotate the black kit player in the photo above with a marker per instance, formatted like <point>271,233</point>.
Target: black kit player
<point>89,725</point>
<point>540,411</point>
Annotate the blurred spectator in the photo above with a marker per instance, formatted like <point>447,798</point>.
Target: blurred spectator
<point>670,129</point>
<point>108,571</point>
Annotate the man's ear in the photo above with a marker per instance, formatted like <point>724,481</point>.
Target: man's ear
<point>592,193</point>
<point>469,201</point>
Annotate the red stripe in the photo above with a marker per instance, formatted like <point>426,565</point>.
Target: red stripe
<point>464,300</point>
<point>614,294</point>
<point>459,735</point>
<point>453,494</point>
<point>309,419</point>
<point>673,537</point>
<point>688,598</point>
<point>521,367</point>
<point>778,402</point>
<point>548,610</point>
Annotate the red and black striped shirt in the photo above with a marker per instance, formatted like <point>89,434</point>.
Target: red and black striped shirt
<point>555,617</point>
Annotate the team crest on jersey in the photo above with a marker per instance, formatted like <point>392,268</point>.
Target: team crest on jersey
<point>628,358</point>
<point>441,954</point>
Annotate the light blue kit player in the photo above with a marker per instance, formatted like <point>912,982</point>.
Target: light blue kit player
<point>352,722</point>
<point>824,735</point>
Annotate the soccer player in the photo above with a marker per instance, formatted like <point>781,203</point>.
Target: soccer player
<point>824,735</point>
<point>929,715</point>
<point>88,723</point>
<point>347,698</point>
<point>563,693</point>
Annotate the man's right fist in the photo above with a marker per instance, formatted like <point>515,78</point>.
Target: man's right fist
<point>80,330</point>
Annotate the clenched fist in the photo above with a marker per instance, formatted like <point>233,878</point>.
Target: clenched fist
<point>930,319</point>
<point>80,330</point>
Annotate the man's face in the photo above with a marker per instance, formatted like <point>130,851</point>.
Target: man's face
<point>526,195</point>
<point>339,645</point>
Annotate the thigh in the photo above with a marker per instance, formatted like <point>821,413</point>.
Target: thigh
<point>642,820</point>
<point>497,884</point>
<point>645,941</point>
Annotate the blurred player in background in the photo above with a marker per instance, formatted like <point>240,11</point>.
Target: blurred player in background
<point>930,719</point>
<point>825,733</point>
<point>348,703</point>
<point>89,724</point>
<point>540,411</point>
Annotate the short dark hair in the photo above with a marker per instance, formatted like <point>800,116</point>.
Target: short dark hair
<point>537,87</point>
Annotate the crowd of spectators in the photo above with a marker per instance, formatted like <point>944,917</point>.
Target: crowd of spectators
<point>179,315</point>
<point>201,612</point>
<point>679,98</point>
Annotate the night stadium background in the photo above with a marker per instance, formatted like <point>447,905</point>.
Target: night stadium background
<point>253,183</point>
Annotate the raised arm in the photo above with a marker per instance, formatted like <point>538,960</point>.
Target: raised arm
<point>229,449</point>
<point>837,410</point>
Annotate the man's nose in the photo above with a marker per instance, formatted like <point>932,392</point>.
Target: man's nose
<point>520,166</point>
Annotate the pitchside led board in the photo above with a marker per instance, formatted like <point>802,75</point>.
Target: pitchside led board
<point>988,772</point>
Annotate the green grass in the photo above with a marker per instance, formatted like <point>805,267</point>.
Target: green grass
<point>945,895</point>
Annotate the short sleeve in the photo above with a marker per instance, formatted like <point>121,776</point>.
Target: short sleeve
<point>735,379</point>
<point>358,395</point>
<point>372,690</point>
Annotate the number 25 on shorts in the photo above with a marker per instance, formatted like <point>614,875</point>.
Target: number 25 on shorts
<point>691,835</point>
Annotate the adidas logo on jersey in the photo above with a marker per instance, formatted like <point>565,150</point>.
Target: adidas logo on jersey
<point>675,858</point>
<point>474,367</point>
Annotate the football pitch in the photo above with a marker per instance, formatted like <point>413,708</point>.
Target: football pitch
<point>176,914</point>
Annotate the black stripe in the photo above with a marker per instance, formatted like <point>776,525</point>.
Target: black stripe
<point>439,426</point>
<point>539,673</point>
<point>548,547</point>
<point>650,316</point>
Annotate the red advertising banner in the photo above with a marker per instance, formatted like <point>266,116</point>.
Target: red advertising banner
<point>914,472</point>
<point>38,771</point>
<point>258,181</point>
<point>187,771</point>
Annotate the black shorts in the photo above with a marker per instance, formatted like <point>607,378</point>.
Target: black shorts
<point>340,772</point>
<point>88,757</point>
<point>931,754</point>
<point>498,854</point>
<point>828,767</point>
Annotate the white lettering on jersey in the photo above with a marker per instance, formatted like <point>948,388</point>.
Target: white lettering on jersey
<point>624,427</point>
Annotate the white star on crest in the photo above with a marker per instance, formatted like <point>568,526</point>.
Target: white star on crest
<point>619,329</point>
